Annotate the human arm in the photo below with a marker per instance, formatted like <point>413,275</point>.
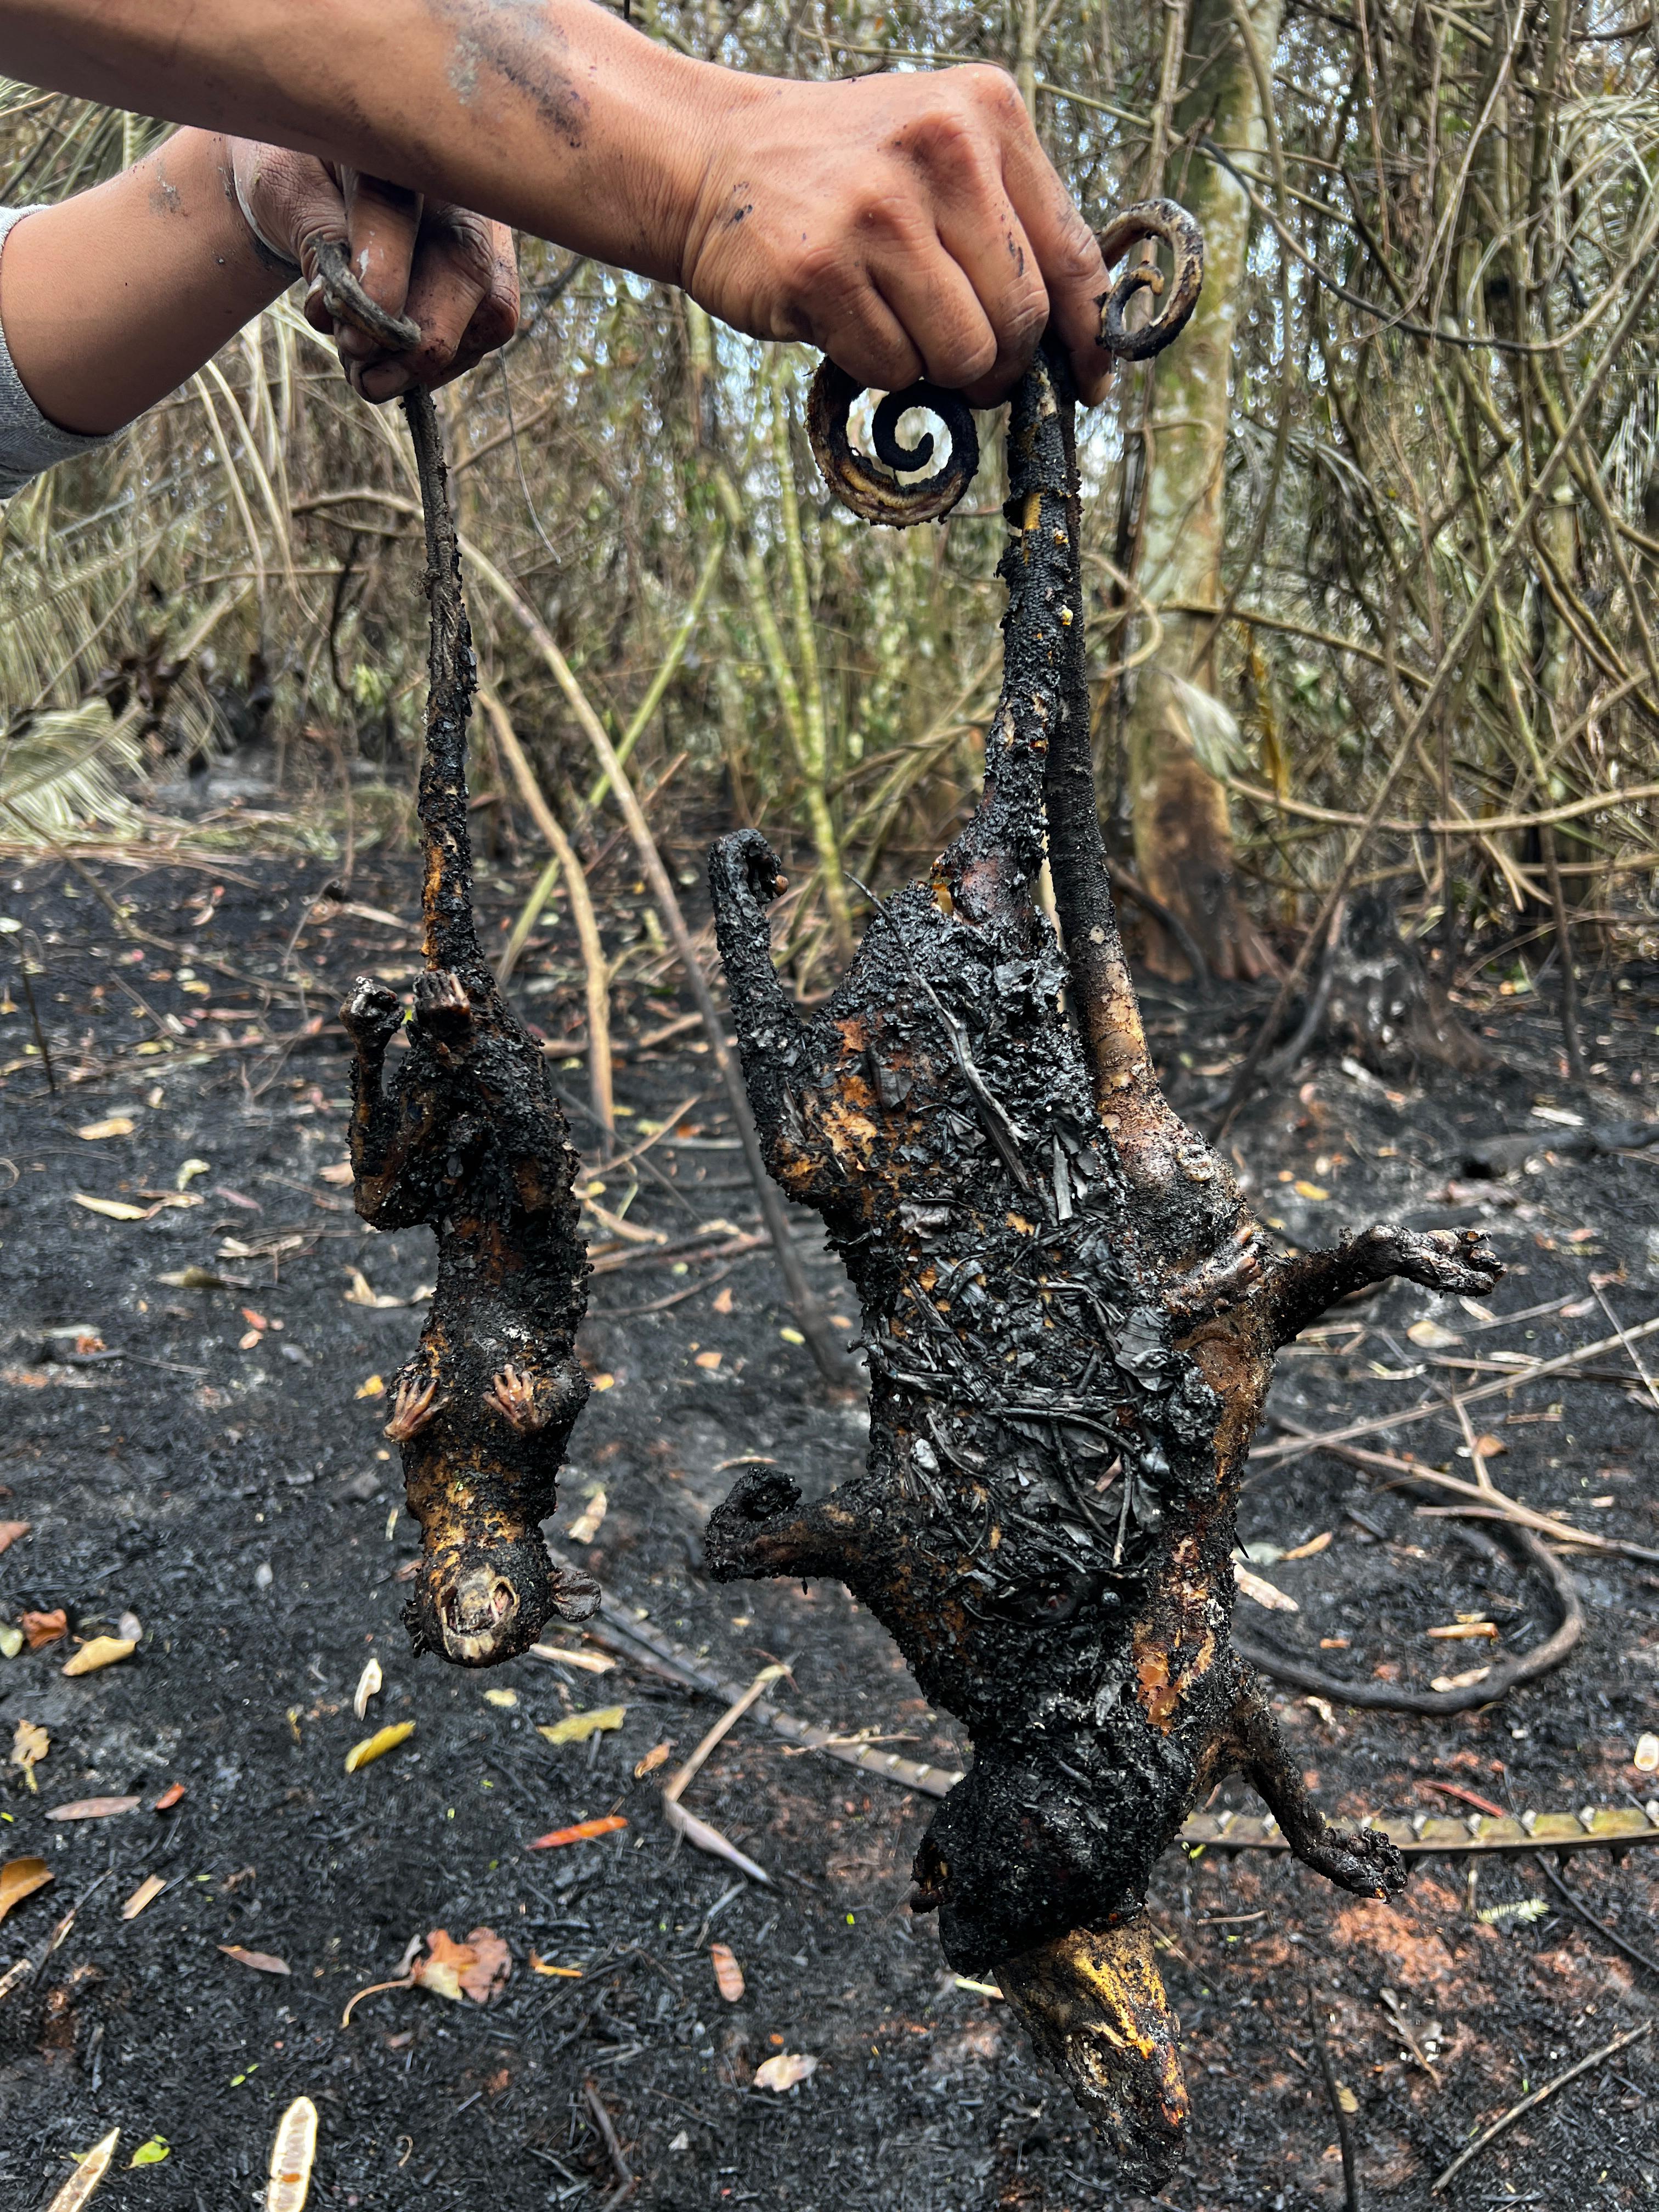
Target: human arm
<point>900,223</point>
<point>111,299</point>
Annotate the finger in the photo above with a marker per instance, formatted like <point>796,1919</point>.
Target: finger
<point>987,243</point>
<point>941,313</point>
<point>1067,258</point>
<point>383,226</point>
<point>463,292</point>
<point>846,315</point>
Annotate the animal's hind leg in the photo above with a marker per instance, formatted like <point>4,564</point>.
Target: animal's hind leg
<point>1361,1860</point>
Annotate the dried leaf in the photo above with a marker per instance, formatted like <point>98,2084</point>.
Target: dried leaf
<point>785,2069</point>
<point>373,1388</point>
<point>77,2190</point>
<point>583,1832</point>
<point>13,1532</point>
<point>1489,1447</point>
<point>1311,1190</point>
<point>368,1686</point>
<point>588,1662</point>
<point>338,1172</point>
<point>20,1878</point>
<point>1262,1593</point>
<point>118,1125</point>
<point>1431,1336</point>
<point>377,1746</point>
<point>585,1527</point>
<point>43,1628</point>
<point>709,1360</point>
<point>29,1745</point>
<point>576,1728</point>
<point>172,1795</point>
<point>604,1382</point>
<point>292,2155</point>
<point>188,1173</point>
<point>728,1974</point>
<point>1455,1632</point>
<point>92,1809</point>
<point>11,1640</point>
<point>722,1304</point>
<point>492,1963</point>
<point>363,1293</point>
<point>261,1961</point>
<point>146,1893</point>
<point>562,1973</point>
<point>656,1757</point>
<point>477,1968</point>
<point>1461,1681</point>
<point>1645,1757</point>
<point>130,1627</point>
<point>1346,2098</point>
<point>1312,1548</point>
<point>149,2154</point>
<point>113,1209</point>
<point>99,1651</point>
<point>505,1698</point>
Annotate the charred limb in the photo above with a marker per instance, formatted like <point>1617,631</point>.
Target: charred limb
<point>1071,1332</point>
<point>468,1137</point>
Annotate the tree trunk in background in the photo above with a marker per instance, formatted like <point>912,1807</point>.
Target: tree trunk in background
<point>1183,836</point>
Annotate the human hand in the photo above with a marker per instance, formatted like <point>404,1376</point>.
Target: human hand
<point>907,226</point>
<point>452,273</point>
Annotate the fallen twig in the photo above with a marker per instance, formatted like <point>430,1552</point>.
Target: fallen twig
<point>1637,1958</point>
<point>1354,2201</point>
<point>1607,2049</point>
<point>699,1832</point>
<point>606,2126</point>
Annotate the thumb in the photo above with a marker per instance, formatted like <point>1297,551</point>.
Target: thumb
<point>290,202</point>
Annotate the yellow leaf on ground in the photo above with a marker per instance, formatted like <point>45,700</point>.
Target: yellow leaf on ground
<point>709,1359</point>
<point>377,1746</point>
<point>505,1698</point>
<point>1312,1548</point>
<point>604,1382</point>
<point>1346,2098</point>
<point>1262,1592</point>
<point>292,2155</point>
<point>1431,1336</point>
<point>790,1336</point>
<point>587,1525</point>
<point>146,1893</point>
<point>20,1878</point>
<point>783,2071</point>
<point>77,2190</point>
<point>728,1974</point>
<point>576,1728</point>
<point>261,1961</point>
<point>113,1209</point>
<point>1310,1190</point>
<point>477,1968</point>
<point>374,1388</point>
<point>29,1746</point>
<point>151,2153</point>
<point>118,1125</point>
<point>100,1651</point>
<point>188,1173</point>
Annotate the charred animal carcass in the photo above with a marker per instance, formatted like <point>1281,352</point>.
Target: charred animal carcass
<point>1071,1329</point>
<point>469,1138</point>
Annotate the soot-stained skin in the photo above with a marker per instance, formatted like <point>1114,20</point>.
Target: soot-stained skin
<point>469,1137</point>
<point>1071,1327</point>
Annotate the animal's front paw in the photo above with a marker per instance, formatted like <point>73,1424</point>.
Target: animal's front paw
<point>519,1400</point>
<point>442,1007</point>
<point>416,1402</point>
<point>372,1013</point>
<point>1362,1861</point>
<point>1452,1259</point>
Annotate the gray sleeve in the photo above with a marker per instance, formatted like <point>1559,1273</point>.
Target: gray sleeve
<point>28,443</point>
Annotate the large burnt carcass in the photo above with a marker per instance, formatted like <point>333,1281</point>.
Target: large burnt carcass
<point>1070,1326</point>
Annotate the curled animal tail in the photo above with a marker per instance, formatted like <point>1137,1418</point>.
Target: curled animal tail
<point>450,940</point>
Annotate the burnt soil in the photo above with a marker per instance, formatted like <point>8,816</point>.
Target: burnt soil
<point>207,1458</point>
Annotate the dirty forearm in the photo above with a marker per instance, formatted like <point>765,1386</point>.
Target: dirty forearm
<point>110,300</point>
<point>549,114</point>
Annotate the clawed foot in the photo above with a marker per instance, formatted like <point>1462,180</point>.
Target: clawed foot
<point>371,1013</point>
<point>1362,1861</point>
<point>442,1007</point>
<point>414,1405</point>
<point>518,1400</point>
<point>1453,1260</point>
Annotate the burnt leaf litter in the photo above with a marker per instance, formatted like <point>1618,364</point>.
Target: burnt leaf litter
<point>228,1486</point>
